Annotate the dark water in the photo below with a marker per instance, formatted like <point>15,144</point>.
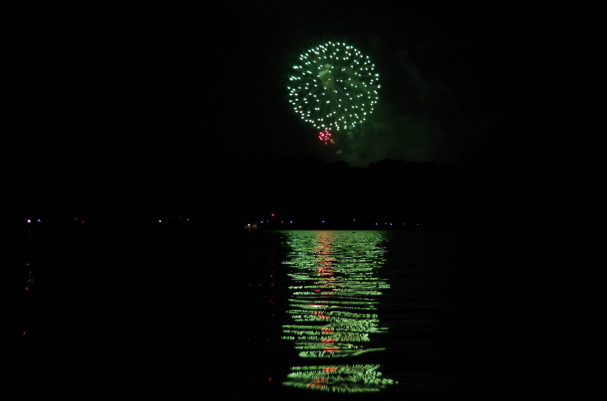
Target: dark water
<point>180,310</point>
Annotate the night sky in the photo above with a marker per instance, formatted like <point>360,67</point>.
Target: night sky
<point>100,91</point>
<point>124,116</point>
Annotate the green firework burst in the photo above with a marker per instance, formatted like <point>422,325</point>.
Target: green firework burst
<point>335,87</point>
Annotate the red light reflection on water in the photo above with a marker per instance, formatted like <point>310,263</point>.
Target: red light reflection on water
<point>320,315</point>
<point>318,382</point>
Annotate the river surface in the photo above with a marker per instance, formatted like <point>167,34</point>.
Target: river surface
<point>284,315</point>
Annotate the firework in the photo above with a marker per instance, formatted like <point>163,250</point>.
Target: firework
<point>335,87</point>
<point>324,136</point>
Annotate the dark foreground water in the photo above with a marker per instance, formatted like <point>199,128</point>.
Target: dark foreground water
<point>175,311</point>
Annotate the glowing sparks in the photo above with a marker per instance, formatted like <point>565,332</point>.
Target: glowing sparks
<point>324,136</point>
<point>334,88</point>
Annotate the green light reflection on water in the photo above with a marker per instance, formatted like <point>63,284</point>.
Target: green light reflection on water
<point>335,292</point>
<point>338,378</point>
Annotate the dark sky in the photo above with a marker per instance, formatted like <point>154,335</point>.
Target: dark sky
<point>93,87</point>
